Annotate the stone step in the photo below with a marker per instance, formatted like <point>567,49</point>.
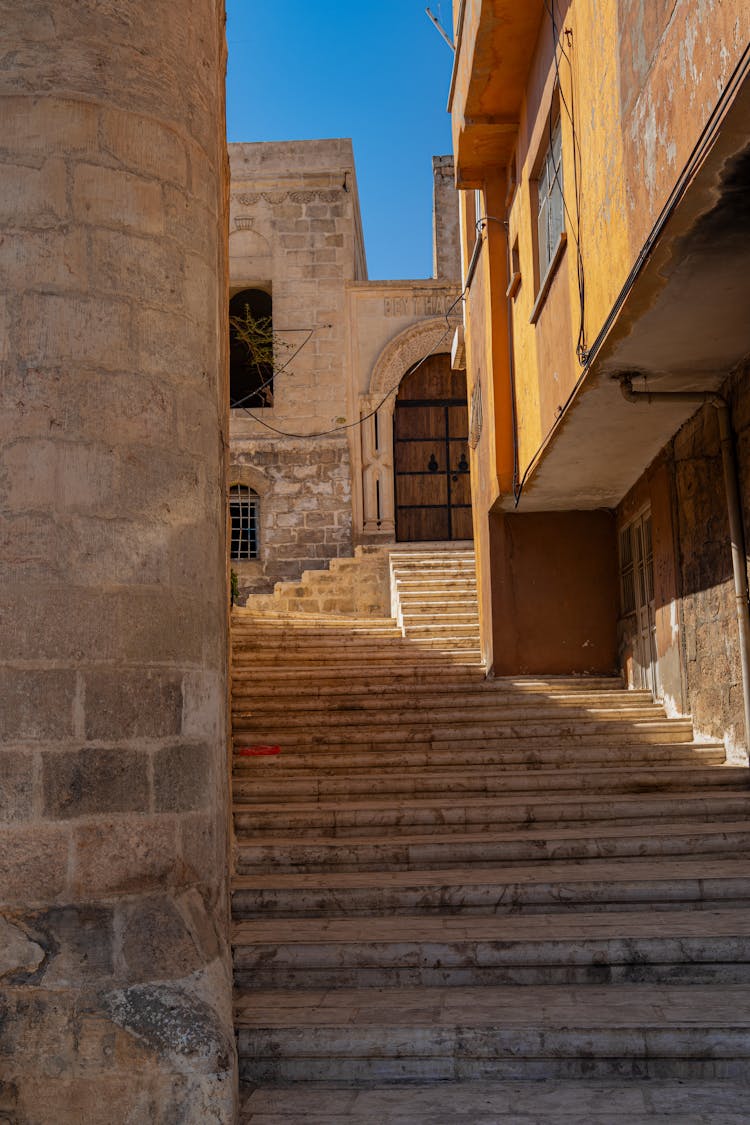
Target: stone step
<point>424,605</point>
<point>552,1102</point>
<point>699,946</point>
<point>491,712</point>
<point>444,584</point>
<point>451,668</point>
<point>335,649</point>
<point>456,617</point>
<point>398,691</point>
<point>423,743</point>
<point>458,564</point>
<point>245,618</point>
<point>430,672</point>
<point>550,755</point>
<point>454,630</point>
<point>520,811</point>
<point>556,886</point>
<point>277,852</point>
<point>436,736</point>
<point>424,563</point>
<point>484,781</point>
<point>403,690</point>
<point>438,1034</point>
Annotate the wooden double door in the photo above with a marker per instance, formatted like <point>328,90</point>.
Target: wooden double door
<point>431,454</point>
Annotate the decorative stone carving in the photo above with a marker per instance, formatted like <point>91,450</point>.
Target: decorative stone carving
<point>249,199</point>
<point>377,467</point>
<point>421,339</point>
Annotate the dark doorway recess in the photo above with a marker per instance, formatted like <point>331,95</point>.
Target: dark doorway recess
<point>250,384</point>
<point>431,454</point>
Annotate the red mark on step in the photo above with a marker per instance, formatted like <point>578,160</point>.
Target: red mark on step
<point>258,751</point>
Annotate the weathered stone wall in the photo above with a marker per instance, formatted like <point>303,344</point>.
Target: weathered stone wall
<point>305,508</point>
<point>711,652</point>
<point>695,606</point>
<point>113,914</point>
<point>446,238</point>
<point>295,231</point>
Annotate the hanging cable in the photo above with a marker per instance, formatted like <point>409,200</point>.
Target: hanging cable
<point>352,425</point>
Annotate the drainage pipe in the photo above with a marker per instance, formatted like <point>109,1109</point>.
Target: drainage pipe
<point>734,512</point>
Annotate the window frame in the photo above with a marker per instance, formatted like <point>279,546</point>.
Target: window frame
<point>245,495</point>
<point>548,207</point>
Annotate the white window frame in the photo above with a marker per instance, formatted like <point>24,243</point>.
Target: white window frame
<point>550,202</point>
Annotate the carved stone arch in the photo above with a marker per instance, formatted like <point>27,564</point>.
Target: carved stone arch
<point>424,338</point>
<point>406,349</point>
<point>245,474</point>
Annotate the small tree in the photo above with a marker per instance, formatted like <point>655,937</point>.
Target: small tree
<point>265,349</point>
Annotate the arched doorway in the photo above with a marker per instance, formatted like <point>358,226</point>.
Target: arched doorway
<point>431,454</point>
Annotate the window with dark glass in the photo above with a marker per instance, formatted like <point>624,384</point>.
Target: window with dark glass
<point>251,368</point>
<point>550,218</point>
<point>244,513</point>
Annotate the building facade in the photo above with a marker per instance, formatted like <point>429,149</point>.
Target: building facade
<point>603,154</point>
<point>313,470</point>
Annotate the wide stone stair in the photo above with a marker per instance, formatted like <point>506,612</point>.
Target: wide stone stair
<point>468,900</point>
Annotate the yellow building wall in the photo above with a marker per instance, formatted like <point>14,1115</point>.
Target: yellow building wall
<point>639,81</point>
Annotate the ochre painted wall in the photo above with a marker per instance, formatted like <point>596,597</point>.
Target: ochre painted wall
<point>554,593</point>
<point>639,81</point>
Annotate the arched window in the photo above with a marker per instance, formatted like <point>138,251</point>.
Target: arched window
<point>244,513</point>
<point>250,379</point>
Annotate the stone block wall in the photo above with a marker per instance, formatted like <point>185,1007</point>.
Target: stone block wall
<point>305,508</point>
<point>295,231</point>
<point>446,237</point>
<point>696,623</point>
<point>710,651</point>
<point>116,989</point>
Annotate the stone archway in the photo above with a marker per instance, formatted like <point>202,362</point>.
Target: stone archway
<point>426,337</point>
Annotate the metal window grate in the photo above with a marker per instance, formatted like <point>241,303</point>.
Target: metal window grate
<point>244,513</point>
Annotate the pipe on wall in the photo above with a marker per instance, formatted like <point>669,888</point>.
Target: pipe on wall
<point>734,513</point>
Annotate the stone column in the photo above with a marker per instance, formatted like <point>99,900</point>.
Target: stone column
<point>446,239</point>
<point>113,602</point>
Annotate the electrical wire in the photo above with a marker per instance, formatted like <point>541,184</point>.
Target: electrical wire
<point>352,425</point>
<point>269,381</point>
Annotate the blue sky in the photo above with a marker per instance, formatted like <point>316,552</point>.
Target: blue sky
<point>377,72</point>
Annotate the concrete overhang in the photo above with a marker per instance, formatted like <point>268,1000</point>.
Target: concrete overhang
<point>684,324</point>
<point>494,47</point>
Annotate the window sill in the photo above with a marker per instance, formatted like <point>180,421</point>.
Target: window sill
<point>548,278</point>
<point>515,284</point>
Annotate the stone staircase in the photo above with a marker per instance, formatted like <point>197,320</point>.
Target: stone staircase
<point>469,900</point>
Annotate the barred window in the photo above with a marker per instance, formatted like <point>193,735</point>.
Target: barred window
<point>244,513</point>
<point>550,220</point>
